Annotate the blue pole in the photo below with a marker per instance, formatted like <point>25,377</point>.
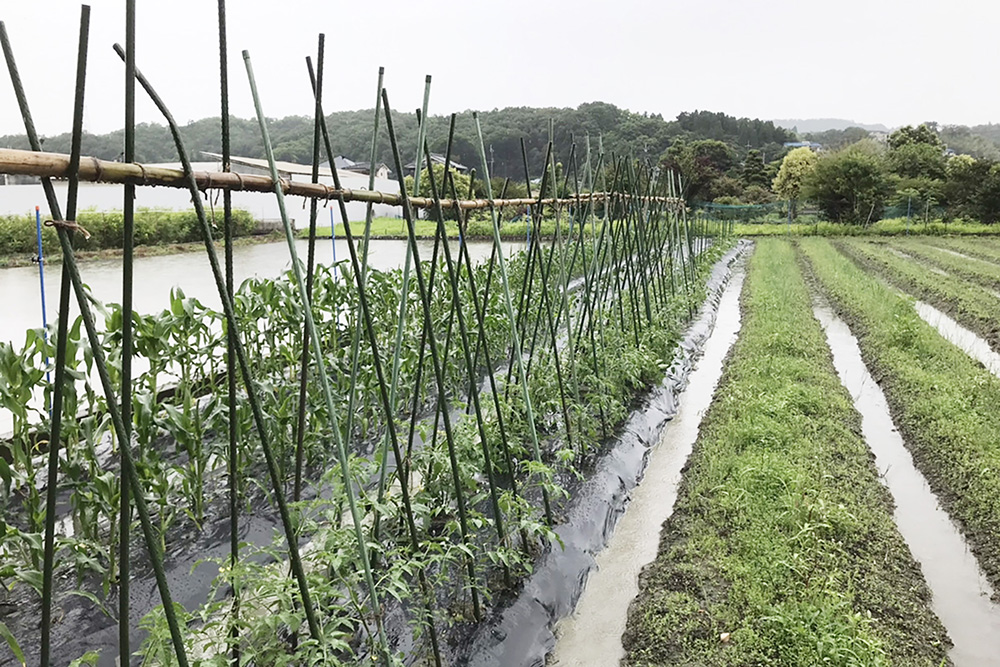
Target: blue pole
<point>41,282</point>
<point>333,242</point>
<point>527,227</point>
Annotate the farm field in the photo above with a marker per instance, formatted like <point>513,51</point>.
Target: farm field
<point>782,547</point>
<point>477,398</point>
<point>526,387</point>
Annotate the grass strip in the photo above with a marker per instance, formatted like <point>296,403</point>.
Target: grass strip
<point>943,402</point>
<point>983,273</point>
<point>969,304</point>
<point>395,228</point>
<point>153,226</point>
<point>781,549</point>
<point>982,248</point>
<point>888,227</point>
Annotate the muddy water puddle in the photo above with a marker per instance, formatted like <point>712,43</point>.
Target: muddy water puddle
<point>961,593</point>
<point>966,340</point>
<point>592,635</point>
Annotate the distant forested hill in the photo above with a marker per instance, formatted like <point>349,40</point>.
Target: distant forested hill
<point>622,132</point>
<point>815,125</point>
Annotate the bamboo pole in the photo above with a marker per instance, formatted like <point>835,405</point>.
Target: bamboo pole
<point>128,247</point>
<point>359,274</point>
<point>233,451</point>
<point>435,358</point>
<point>93,170</point>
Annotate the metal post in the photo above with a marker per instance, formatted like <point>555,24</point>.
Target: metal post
<point>41,283</point>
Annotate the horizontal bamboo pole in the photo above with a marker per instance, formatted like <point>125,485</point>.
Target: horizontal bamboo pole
<point>93,170</point>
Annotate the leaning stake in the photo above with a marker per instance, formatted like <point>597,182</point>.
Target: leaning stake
<point>324,383</point>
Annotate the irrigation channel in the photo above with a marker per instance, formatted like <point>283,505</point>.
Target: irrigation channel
<point>593,634</point>
<point>962,597</point>
<point>372,467</point>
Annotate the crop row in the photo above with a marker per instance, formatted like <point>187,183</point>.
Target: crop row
<point>781,549</point>
<point>970,304</point>
<point>980,272</point>
<point>456,509</point>
<point>983,248</point>
<point>943,402</point>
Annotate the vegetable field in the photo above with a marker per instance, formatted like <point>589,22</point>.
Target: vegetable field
<point>782,548</point>
<point>343,465</point>
<point>350,466</point>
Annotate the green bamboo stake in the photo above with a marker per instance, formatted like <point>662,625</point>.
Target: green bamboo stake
<point>462,227</point>
<point>557,243</point>
<point>418,375</point>
<point>533,258</point>
<point>464,335</point>
<point>327,394</point>
<point>363,276</point>
<point>359,274</point>
<point>515,338</point>
<point>586,315</point>
<point>438,373</point>
<point>128,245</point>
<point>233,452</point>
<point>55,437</point>
<point>71,275</point>
<point>480,309</point>
<point>405,290</point>
<point>300,426</point>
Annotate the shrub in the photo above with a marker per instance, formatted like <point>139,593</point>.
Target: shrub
<point>152,227</point>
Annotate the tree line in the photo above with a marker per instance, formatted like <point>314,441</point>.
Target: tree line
<point>622,132</point>
<point>913,173</point>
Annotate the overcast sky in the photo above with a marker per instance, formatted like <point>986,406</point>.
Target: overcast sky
<point>872,61</point>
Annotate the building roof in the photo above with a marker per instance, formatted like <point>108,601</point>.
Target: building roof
<point>364,166</point>
<point>437,159</point>
<point>340,162</point>
<point>282,166</point>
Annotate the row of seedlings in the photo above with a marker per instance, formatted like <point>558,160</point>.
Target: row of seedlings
<point>970,304</point>
<point>943,402</point>
<point>781,548</point>
<point>981,272</point>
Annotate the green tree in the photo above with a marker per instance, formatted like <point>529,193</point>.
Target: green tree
<point>797,167</point>
<point>917,160</point>
<point>972,188</point>
<point>987,200</point>
<point>443,190</point>
<point>702,165</point>
<point>963,177</point>
<point>850,185</point>
<point>754,171</point>
<point>836,139</point>
<point>921,134</point>
<point>917,174</point>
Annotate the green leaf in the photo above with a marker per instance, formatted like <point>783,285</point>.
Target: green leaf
<point>12,643</point>
<point>31,577</point>
<point>88,659</point>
